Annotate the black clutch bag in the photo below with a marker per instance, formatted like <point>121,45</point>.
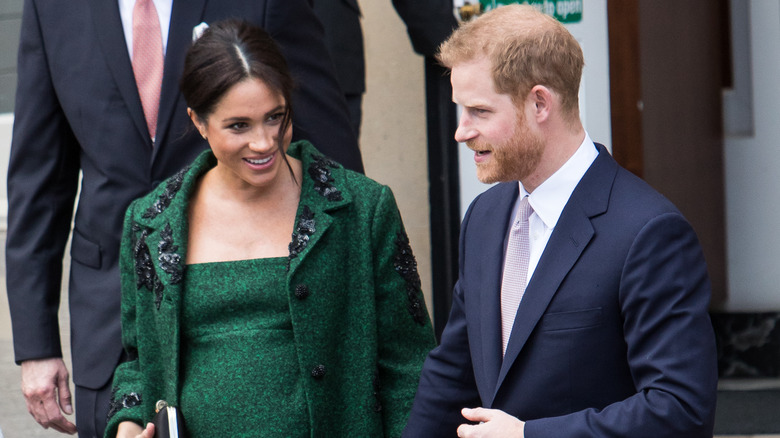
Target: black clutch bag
<point>168,422</point>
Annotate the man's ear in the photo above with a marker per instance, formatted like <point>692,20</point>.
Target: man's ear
<point>543,100</point>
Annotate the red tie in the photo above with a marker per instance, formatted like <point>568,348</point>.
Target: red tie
<point>518,253</point>
<point>148,60</point>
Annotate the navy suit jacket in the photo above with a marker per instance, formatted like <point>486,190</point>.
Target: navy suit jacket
<point>78,110</point>
<point>612,337</point>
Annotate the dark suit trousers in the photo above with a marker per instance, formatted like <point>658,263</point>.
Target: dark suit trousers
<point>92,410</point>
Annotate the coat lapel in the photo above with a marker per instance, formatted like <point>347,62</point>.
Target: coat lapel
<point>164,219</point>
<point>567,242</point>
<point>108,25</point>
<point>185,15</point>
<point>320,195</point>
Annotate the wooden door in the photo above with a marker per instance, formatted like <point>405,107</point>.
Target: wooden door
<point>666,76</point>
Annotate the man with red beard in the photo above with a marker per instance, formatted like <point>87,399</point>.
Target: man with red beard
<point>581,304</point>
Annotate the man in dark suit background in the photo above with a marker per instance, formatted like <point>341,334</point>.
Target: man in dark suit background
<point>428,23</point>
<point>78,112</point>
<point>581,303</point>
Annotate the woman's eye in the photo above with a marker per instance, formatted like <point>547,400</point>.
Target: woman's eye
<point>238,126</point>
<point>275,118</point>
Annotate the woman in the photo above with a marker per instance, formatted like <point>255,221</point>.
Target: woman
<point>247,332</point>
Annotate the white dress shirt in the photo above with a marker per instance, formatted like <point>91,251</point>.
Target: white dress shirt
<point>549,199</point>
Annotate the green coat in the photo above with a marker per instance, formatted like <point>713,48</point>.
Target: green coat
<point>359,320</point>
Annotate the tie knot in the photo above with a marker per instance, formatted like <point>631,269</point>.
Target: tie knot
<point>524,211</point>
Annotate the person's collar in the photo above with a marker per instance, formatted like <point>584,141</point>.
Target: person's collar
<point>549,199</point>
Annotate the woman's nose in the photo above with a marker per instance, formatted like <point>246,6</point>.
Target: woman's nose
<point>262,141</point>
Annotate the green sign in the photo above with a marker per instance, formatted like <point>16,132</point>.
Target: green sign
<point>565,11</point>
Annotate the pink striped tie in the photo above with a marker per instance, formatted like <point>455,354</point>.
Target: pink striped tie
<point>148,60</point>
<point>513,284</point>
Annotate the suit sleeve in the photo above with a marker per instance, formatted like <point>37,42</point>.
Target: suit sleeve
<point>320,112</point>
<point>447,382</point>
<point>404,330</point>
<point>127,402</point>
<point>664,297</point>
<point>42,183</point>
<point>428,22</point>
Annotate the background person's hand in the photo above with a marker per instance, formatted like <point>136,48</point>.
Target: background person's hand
<point>492,423</point>
<point>45,386</point>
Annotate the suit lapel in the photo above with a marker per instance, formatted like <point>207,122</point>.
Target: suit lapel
<point>185,15</point>
<point>108,26</point>
<point>567,242</point>
<point>564,248</point>
<point>491,229</point>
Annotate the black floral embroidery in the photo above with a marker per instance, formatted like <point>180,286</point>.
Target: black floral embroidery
<point>301,235</point>
<point>124,402</point>
<point>406,266</point>
<point>377,388</point>
<point>170,261</point>
<point>171,188</point>
<point>144,268</point>
<point>319,170</point>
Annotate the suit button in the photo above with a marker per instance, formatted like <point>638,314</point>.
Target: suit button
<point>302,291</point>
<point>318,372</point>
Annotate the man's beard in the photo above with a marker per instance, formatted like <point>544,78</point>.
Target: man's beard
<point>513,160</point>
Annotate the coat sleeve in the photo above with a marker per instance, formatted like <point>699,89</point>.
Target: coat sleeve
<point>428,22</point>
<point>320,112</point>
<point>447,382</point>
<point>664,297</point>
<point>404,330</point>
<point>42,183</point>
<point>128,403</point>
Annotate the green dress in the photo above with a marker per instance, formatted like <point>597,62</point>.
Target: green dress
<point>240,370</point>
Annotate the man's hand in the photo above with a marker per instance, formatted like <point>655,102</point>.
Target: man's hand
<point>493,423</point>
<point>45,388</point>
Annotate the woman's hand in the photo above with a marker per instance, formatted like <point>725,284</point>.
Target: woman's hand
<point>128,429</point>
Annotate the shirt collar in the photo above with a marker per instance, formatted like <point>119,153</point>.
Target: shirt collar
<point>549,199</point>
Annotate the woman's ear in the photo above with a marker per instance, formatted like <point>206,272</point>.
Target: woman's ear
<point>197,122</point>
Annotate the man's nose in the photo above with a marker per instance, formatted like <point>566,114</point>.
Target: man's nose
<point>465,130</point>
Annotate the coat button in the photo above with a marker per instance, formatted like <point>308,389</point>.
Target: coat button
<point>318,372</point>
<point>302,291</point>
<point>160,405</point>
